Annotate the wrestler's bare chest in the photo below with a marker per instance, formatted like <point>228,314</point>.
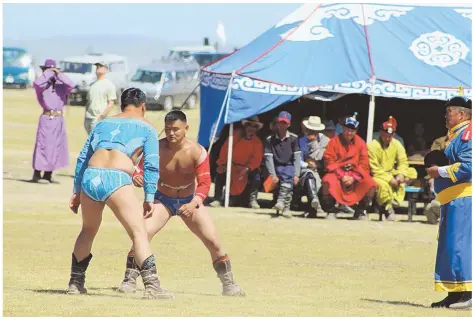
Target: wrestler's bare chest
<point>176,165</point>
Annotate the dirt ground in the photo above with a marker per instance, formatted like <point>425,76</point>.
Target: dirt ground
<point>297,267</point>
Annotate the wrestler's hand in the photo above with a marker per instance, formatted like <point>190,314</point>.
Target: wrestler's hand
<point>138,180</point>
<point>296,179</point>
<point>75,202</point>
<point>433,171</point>
<point>148,209</point>
<point>187,210</point>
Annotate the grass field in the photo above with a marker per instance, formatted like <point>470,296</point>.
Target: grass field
<point>297,267</point>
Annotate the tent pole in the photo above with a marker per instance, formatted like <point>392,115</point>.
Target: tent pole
<point>229,165</point>
<point>370,120</point>
<point>224,104</point>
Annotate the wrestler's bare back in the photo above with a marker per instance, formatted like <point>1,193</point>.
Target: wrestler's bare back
<point>178,168</point>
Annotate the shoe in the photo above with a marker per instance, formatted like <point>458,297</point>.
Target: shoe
<point>390,215</point>
<point>287,213</point>
<point>331,216</point>
<point>254,204</point>
<point>452,298</point>
<point>215,204</point>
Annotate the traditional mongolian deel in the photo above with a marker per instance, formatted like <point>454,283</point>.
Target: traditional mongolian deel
<point>409,51</point>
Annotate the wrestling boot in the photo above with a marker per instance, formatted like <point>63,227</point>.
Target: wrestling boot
<point>48,176</point>
<point>78,276</point>
<point>254,186</point>
<point>452,298</point>
<point>151,282</point>
<point>132,272</point>
<point>285,188</point>
<point>223,269</point>
<point>464,303</point>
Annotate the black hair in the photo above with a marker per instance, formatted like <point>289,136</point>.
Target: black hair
<point>175,116</point>
<point>132,96</point>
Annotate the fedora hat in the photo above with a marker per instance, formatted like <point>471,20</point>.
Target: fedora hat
<point>253,120</point>
<point>49,63</point>
<point>313,123</point>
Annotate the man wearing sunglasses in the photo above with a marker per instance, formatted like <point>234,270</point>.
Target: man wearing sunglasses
<point>247,155</point>
<point>453,185</point>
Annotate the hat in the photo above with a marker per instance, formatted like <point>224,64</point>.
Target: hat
<point>329,125</point>
<point>101,63</point>
<point>390,126</point>
<point>284,117</point>
<point>435,158</point>
<point>253,120</point>
<point>351,122</point>
<point>313,123</point>
<point>461,101</point>
<point>49,63</point>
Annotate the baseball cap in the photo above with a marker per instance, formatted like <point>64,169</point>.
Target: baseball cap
<point>284,117</point>
<point>99,64</point>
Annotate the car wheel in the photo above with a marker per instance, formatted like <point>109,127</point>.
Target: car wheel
<point>192,101</point>
<point>168,103</point>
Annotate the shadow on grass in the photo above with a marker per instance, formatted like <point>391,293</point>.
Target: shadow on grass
<point>395,303</point>
<point>63,292</point>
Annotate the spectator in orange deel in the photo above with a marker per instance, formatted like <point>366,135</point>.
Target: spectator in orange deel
<point>247,155</point>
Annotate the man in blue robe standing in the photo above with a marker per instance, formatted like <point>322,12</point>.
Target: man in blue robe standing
<point>453,185</point>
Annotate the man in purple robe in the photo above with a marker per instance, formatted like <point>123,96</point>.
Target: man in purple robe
<point>51,148</point>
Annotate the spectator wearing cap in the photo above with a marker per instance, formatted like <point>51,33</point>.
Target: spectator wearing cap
<point>389,165</point>
<point>329,129</point>
<point>312,147</point>
<point>283,161</point>
<point>247,156</point>
<point>100,98</point>
<point>347,180</point>
<point>51,147</point>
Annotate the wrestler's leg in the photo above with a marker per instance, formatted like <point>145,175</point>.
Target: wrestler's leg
<point>201,224</point>
<point>129,212</point>
<point>153,225</point>
<point>91,219</point>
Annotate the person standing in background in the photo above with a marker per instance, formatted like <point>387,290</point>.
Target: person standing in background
<point>51,148</point>
<point>100,98</point>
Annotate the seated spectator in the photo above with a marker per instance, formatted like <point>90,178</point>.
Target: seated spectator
<point>347,180</point>
<point>418,144</point>
<point>247,155</point>
<point>389,165</point>
<point>283,161</point>
<point>312,147</point>
<point>329,129</point>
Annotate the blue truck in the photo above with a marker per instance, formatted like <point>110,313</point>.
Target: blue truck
<point>18,68</point>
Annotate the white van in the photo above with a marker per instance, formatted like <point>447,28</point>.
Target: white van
<point>81,70</point>
<point>167,83</point>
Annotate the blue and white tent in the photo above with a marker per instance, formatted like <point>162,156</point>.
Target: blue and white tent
<point>402,51</point>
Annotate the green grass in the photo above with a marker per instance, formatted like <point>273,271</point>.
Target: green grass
<point>292,267</point>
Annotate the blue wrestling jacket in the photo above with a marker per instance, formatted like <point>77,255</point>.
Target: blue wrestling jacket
<point>459,154</point>
<point>125,135</point>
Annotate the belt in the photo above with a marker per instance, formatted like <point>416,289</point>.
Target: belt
<point>53,113</point>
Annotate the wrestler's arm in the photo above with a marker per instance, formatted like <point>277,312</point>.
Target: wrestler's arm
<point>203,176</point>
<point>82,159</point>
<point>150,165</point>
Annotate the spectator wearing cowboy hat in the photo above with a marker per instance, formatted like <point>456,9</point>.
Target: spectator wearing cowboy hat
<point>51,148</point>
<point>100,98</point>
<point>347,180</point>
<point>247,155</point>
<point>283,161</point>
<point>389,165</point>
<point>312,147</point>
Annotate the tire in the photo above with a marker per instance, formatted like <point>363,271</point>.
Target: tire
<point>168,103</point>
<point>192,101</point>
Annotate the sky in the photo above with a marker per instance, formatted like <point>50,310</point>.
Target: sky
<point>170,22</point>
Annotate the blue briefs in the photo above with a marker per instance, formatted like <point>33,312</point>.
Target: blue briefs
<point>100,183</point>
<point>172,204</point>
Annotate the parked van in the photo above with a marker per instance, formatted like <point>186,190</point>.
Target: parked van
<point>173,80</point>
<point>18,68</point>
<point>185,52</point>
<point>81,70</point>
